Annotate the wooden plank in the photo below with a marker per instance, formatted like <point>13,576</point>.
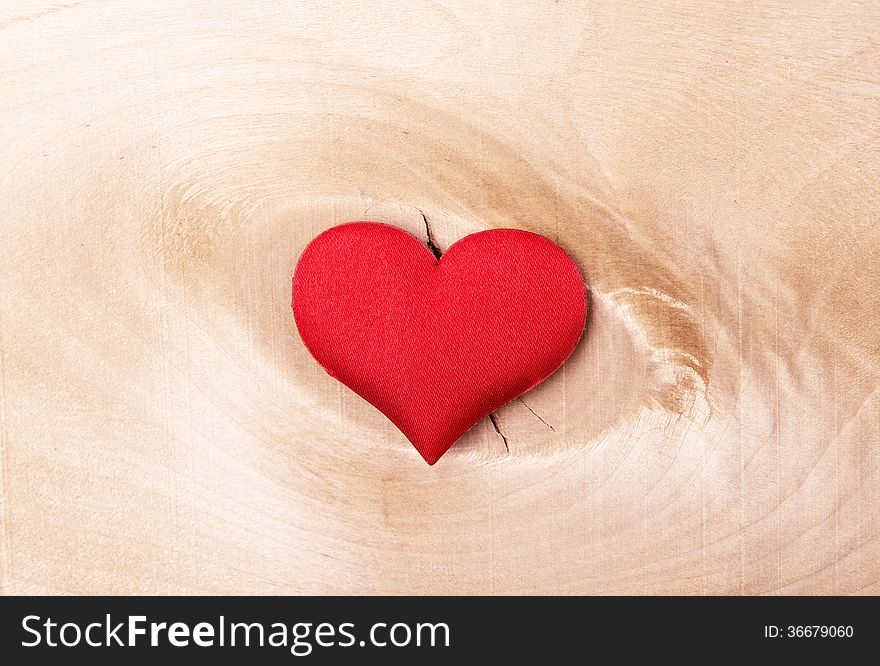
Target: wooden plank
<point>713,167</point>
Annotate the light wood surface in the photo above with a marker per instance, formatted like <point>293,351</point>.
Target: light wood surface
<point>712,166</point>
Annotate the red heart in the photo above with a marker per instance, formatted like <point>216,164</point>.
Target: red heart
<point>437,345</point>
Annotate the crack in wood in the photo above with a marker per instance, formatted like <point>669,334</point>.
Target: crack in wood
<point>432,242</point>
<point>537,416</point>
<point>494,419</point>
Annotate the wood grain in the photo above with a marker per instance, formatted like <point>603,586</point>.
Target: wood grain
<point>713,168</point>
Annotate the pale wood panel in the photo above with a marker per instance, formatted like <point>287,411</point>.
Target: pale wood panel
<point>713,167</point>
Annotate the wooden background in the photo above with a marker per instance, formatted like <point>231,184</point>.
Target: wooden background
<point>714,168</point>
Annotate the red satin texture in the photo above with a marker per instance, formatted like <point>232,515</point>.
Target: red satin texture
<point>436,345</point>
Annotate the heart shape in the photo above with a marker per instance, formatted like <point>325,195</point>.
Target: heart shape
<point>436,345</point>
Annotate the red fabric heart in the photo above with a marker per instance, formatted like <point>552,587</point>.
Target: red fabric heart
<point>436,345</point>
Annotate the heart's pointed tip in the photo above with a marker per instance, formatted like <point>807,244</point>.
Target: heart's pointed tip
<point>429,458</point>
